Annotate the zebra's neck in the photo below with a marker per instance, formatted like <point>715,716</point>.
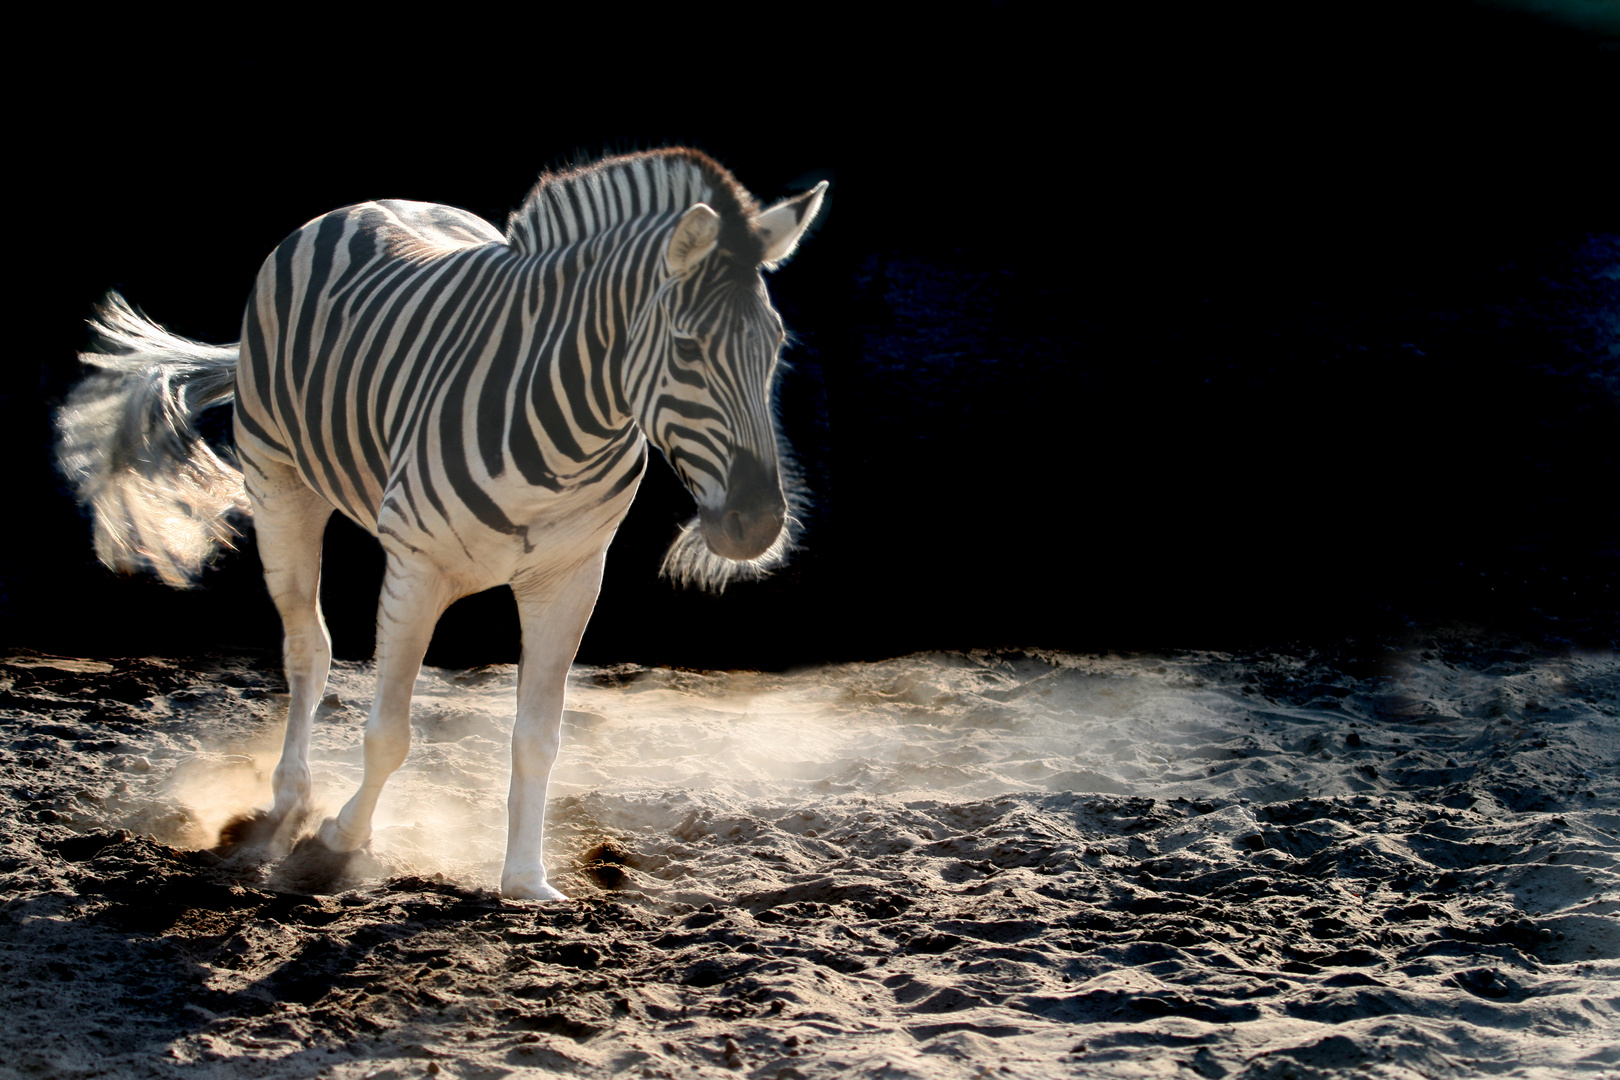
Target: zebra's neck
<point>592,318</point>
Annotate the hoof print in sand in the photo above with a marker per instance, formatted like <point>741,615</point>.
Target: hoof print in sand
<point>1487,983</point>
<point>608,864</point>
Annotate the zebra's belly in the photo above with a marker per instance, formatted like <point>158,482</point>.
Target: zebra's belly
<point>550,531</point>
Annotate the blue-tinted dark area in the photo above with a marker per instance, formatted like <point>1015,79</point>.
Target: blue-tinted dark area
<point>1173,328</point>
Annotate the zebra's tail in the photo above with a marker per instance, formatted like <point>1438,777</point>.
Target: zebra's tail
<point>127,441</point>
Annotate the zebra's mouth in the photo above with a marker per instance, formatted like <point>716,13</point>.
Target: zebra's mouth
<point>742,534</point>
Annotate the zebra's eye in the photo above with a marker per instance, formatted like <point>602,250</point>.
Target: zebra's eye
<point>688,350</point>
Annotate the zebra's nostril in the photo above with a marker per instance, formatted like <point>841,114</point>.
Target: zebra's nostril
<point>742,533</point>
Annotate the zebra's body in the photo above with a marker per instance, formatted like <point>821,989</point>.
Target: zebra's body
<point>412,332</point>
<point>481,403</point>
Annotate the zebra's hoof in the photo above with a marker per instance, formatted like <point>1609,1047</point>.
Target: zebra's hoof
<point>336,838</point>
<point>268,833</point>
<point>530,889</point>
<point>251,830</point>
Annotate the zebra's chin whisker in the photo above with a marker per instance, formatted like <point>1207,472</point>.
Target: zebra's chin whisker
<point>691,564</point>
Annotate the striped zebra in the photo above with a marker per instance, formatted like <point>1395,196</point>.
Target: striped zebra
<point>480,402</point>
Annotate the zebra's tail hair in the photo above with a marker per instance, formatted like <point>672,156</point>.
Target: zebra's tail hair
<point>689,564</point>
<point>127,441</point>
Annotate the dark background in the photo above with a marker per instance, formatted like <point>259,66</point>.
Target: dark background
<point>1183,328</point>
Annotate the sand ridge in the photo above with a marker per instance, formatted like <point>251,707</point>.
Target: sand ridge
<point>1385,862</point>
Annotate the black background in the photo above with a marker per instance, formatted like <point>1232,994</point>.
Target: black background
<point>1188,327</point>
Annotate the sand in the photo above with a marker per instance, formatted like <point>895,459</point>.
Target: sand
<point>1380,862</point>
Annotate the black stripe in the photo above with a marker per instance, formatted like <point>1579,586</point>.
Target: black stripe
<point>564,230</point>
<point>383,530</point>
<point>310,448</point>
<point>610,274</point>
<point>404,487</point>
<point>526,452</point>
<point>546,410</point>
<point>635,191</point>
<point>259,365</point>
<point>325,446</point>
<point>579,213</point>
<point>362,249</point>
<point>320,268</point>
<point>352,391</point>
<point>690,410</point>
<point>679,433</point>
<point>281,397</point>
<point>686,376</point>
<point>632,476</point>
<point>680,455</point>
<point>496,393</point>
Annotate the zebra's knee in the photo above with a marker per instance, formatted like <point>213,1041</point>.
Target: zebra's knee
<point>307,650</point>
<point>534,749</point>
<point>387,744</point>
<point>291,782</point>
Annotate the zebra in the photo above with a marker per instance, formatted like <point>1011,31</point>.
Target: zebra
<point>481,402</point>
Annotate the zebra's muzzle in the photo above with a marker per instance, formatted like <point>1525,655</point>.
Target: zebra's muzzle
<point>751,518</point>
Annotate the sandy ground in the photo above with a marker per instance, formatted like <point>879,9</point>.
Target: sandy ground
<point>1384,863</point>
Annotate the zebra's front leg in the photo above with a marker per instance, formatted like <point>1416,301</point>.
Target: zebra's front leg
<point>413,598</point>
<point>553,615</point>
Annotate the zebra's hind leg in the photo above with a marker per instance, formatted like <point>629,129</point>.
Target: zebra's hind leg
<point>290,523</point>
<point>413,598</point>
<point>553,613</point>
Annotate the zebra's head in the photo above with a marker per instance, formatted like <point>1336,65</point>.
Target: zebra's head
<point>711,409</point>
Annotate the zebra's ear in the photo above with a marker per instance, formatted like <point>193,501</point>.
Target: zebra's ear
<point>695,236</point>
<point>783,225</point>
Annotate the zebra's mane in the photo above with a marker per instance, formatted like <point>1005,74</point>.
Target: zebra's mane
<point>565,207</point>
